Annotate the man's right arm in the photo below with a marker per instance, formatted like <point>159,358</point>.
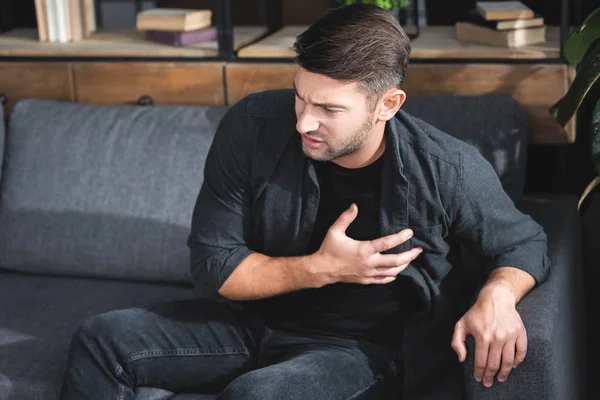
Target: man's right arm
<point>260,276</point>
<point>223,266</point>
<point>339,259</point>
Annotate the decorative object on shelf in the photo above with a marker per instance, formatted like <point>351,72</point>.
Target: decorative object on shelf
<point>182,38</point>
<point>502,10</point>
<point>385,4</point>
<point>177,27</point>
<point>582,50</point>
<point>173,19</point>
<point>64,21</point>
<point>398,8</point>
<point>503,23</point>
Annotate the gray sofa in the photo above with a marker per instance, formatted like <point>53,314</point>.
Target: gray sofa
<point>95,208</point>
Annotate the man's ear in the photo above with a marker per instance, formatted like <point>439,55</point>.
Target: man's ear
<point>390,104</point>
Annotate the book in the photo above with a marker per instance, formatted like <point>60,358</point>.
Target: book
<point>475,18</point>
<point>75,14</point>
<point>52,20</point>
<point>469,32</point>
<point>501,10</point>
<point>89,17</point>
<point>62,22</point>
<point>182,38</point>
<point>175,20</point>
<point>41,14</point>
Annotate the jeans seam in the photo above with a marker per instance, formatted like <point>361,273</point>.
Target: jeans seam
<point>183,352</point>
<point>377,379</point>
<point>120,394</point>
<point>119,373</point>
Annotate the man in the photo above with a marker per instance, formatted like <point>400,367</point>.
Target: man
<point>319,247</point>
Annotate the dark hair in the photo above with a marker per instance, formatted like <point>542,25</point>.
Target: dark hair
<point>359,43</point>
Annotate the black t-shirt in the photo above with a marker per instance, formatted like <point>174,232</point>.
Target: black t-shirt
<point>375,312</point>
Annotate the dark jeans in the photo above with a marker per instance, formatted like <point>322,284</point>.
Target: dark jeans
<point>198,346</point>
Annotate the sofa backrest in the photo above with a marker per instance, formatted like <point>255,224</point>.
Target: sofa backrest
<point>108,191</point>
<point>494,123</point>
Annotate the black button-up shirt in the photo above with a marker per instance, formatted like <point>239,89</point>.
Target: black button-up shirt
<point>260,194</point>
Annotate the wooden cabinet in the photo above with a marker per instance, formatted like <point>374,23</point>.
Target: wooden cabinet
<point>114,82</point>
<point>244,79</point>
<point>45,80</point>
<point>536,86</point>
<point>165,83</point>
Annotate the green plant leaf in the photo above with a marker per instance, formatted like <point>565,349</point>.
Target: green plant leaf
<point>587,74</point>
<point>578,42</point>
<point>385,4</point>
<point>588,190</point>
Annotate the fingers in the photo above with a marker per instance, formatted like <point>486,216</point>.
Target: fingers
<point>521,345</point>
<point>508,359</point>
<point>393,261</point>
<point>458,340</point>
<point>378,280</point>
<point>482,347</point>
<point>388,242</point>
<point>493,362</point>
<point>345,218</point>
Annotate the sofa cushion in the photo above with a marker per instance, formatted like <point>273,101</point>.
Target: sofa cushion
<point>495,123</point>
<point>102,190</point>
<point>39,316</point>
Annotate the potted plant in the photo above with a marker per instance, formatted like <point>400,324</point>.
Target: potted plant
<point>393,6</point>
<point>582,50</point>
<point>385,4</point>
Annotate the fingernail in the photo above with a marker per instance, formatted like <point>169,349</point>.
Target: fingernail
<point>488,384</point>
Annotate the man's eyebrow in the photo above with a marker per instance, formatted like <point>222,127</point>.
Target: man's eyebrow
<point>322,105</point>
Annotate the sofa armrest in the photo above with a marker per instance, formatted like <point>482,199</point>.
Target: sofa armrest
<point>553,314</point>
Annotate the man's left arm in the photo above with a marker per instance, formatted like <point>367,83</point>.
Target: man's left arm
<point>486,220</point>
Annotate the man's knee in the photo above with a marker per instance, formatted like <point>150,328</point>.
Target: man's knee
<point>259,385</point>
<point>103,330</point>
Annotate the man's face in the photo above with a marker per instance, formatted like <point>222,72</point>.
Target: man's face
<point>333,117</point>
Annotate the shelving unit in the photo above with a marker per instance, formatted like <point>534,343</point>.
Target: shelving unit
<point>246,59</point>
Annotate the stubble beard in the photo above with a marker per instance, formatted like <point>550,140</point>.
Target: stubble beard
<point>351,144</point>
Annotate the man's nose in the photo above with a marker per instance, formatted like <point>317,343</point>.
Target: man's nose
<point>306,123</point>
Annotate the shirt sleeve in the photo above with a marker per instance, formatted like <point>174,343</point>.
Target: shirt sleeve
<point>487,221</point>
<point>222,216</point>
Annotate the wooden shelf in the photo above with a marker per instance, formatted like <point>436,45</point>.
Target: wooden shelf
<point>116,43</point>
<point>434,42</point>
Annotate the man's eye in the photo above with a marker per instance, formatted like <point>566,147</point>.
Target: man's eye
<point>331,111</point>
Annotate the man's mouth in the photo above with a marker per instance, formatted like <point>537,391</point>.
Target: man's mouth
<point>310,141</point>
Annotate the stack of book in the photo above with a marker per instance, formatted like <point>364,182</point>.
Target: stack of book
<point>64,21</point>
<point>177,27</point>
<point>502,23</point>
